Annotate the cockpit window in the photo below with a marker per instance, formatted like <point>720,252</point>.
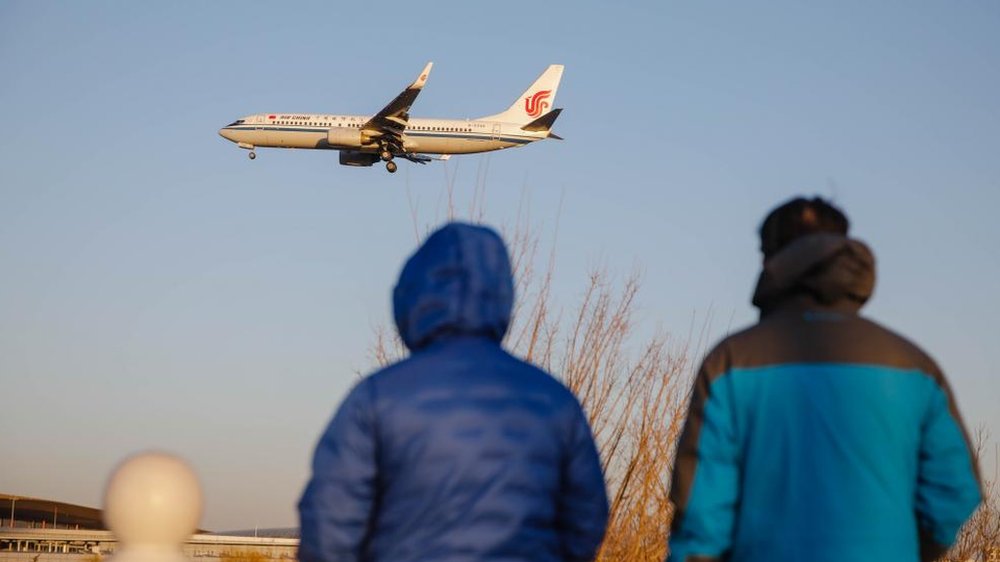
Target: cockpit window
<point>237,122</point>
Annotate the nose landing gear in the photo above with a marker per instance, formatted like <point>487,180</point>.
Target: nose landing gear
<point>390,166</point>
<point>252,155</point>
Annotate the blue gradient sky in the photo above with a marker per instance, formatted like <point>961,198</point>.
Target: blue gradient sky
<point>158,289</point>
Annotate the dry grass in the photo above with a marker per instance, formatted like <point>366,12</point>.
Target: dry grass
<point>634,393</point>
<point>979,539</point>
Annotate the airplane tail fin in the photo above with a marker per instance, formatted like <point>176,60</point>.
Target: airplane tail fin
<point>535,101</point>
<point>544,124</point>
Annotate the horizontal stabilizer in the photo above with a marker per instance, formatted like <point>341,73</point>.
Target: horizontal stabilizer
<point>543,123</point>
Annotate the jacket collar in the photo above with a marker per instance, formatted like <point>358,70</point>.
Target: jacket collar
<point>820,270</point>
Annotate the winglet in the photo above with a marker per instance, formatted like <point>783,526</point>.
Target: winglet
<point>393,117</point>
<point>422,79</point>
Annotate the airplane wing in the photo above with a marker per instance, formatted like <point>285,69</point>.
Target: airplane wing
<point>393,118</point>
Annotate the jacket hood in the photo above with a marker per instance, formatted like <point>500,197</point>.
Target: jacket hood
<point>832,269</point>
<point>458,282</point>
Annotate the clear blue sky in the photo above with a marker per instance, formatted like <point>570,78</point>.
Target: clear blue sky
<point>158,289</point>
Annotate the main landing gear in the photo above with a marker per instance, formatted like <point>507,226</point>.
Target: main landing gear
<point>386,155</point>
<point>252,155</point>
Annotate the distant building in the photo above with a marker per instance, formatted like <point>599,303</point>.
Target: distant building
<point>40,530</point>
<point>31,513</point>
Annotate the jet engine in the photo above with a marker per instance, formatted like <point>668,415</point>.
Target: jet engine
<point>355,158</point>
<point>348,137</point>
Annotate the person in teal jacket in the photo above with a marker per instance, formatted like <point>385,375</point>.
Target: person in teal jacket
<point>817,434</point>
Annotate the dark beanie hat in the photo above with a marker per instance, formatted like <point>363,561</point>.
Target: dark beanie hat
<point>799,217</point>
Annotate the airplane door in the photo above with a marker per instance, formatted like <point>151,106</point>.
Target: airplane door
<point>496,131</point>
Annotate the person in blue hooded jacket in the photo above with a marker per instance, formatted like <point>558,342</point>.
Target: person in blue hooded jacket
<point>817,434</point>
<point>460,452</point>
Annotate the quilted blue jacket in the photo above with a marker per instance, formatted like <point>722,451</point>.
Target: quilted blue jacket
<point>461,452</point>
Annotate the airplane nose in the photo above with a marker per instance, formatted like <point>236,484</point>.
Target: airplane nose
<point>226,133</point>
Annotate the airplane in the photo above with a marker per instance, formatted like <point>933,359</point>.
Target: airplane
<point>390,133</point>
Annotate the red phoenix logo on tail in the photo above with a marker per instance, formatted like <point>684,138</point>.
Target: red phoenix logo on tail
<point>536,104</point>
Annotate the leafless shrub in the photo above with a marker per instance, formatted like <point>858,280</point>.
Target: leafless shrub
<point>979,539</point>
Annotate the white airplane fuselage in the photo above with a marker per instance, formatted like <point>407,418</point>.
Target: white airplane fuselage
<point>429,136</point>
<point>365,139</point>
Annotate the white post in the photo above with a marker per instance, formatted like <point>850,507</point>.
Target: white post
<point>152,504</point>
